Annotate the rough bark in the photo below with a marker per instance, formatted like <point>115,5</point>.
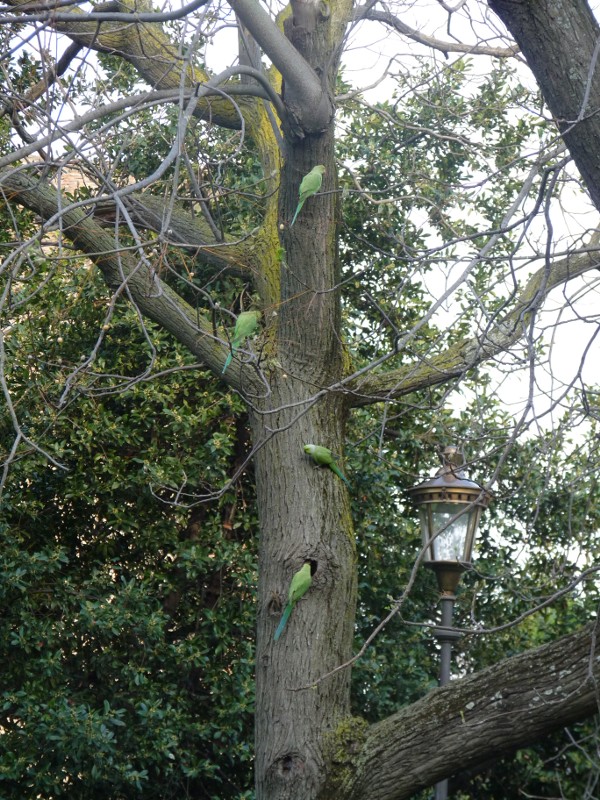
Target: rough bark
<point>559,39</point>
<point>304,514</point>
<point>304,511</point>
<point>483,716</point>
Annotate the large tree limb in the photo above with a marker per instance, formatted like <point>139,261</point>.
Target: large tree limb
<point>192,233</point>
<point>122,271</point>
<point>130,104</point>
<point>484,716</point>
<point>470,353</point>
<point>301,80</point>
<point>560,40</point>
<point>150,50</point>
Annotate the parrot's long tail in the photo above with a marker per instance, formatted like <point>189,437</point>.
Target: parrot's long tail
<point>227,363</point>
<point>284,618</point>
<point>298,209</point>
<point>340,474</point>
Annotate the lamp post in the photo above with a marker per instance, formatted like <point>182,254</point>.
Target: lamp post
<point>450,507</point>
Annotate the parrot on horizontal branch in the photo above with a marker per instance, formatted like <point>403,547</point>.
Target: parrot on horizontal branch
<point>323,457</point>
<point>298,588</point>
<point>310,185</point>
<point>245,325</point>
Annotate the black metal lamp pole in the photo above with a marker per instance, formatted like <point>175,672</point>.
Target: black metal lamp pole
<point>450,507</point>
<point>448,576</point>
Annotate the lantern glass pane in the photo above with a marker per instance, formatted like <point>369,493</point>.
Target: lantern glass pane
<point>425,522</point>
<point>450,544</point>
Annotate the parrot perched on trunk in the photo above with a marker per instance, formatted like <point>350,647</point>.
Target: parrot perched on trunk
<point>324,458</point>
<point>310,185</point>
<point>245,325</point>
<point>298,588</point>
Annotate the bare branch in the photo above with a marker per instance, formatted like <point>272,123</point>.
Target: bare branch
<point>49,14</point>
<point>151,295</point>
<point>152,52</point>
<point>145,99</point>
<point>469,353</point>
<point>370,13</point>
<point>20,436</point>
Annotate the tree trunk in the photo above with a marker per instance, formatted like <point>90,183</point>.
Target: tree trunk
<point>304,510</point>
<point>559,39</point>
<point>305,515</point>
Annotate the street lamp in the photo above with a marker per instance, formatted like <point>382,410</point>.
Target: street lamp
<point>450,507</point>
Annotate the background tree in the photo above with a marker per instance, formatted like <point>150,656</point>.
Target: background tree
<point>429,253</point>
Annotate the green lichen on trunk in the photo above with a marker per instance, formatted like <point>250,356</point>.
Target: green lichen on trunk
<point>340,750</point>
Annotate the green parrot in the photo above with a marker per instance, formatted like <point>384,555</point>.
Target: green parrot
<point>298,588</point>
<point>310,185</point>
<point>324,458</point>
<point>245,325</point>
